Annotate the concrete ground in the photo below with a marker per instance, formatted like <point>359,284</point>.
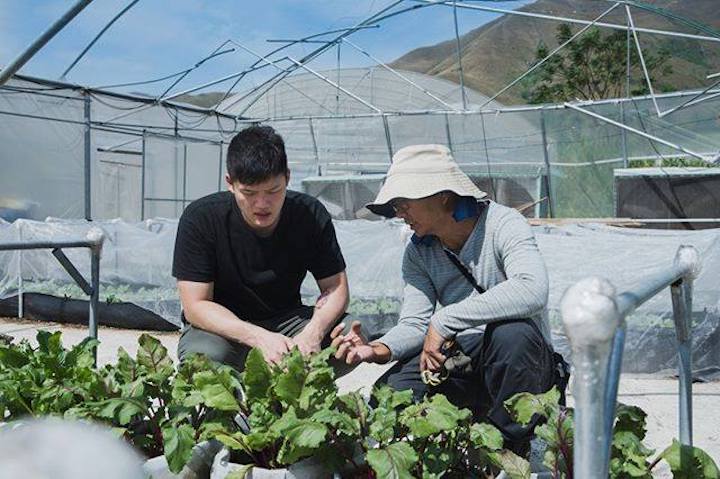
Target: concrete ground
<point>656,395</point>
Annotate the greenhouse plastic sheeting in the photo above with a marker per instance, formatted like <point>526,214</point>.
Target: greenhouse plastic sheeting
<point>137,258</point>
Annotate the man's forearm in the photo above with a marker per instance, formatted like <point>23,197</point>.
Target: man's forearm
<point>217,319</point>
<point>328,309</point>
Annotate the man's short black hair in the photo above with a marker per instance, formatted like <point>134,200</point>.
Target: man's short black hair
<point>256,154</point>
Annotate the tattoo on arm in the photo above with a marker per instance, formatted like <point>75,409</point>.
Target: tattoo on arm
<point>323,299</point>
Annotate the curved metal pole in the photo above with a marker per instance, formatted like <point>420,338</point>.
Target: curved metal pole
<point>97,37</point>
<point>46,36</point>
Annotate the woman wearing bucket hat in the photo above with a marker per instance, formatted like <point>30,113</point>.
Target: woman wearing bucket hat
<point>476,288</point>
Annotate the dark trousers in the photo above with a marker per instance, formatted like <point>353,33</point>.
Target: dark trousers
<point>509,358</point>
<point>223,350</point>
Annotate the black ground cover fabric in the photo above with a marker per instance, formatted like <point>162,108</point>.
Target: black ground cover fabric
<point>44,307</point>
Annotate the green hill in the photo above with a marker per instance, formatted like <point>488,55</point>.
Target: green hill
<point>498,52</point>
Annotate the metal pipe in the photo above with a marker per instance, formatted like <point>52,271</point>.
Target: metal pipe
<point>448,135</point>
<point>326,80</point>
<point>613,375</point>
<point>72,271</point>
<point>590,319</point>
<point>546,157</point>
<point>686,258</point>
<point>577,21</point>
<point>636,131</point>
<point>142,180</point>
<point>220,167</point>
<point>97,37</point>
<point>184,183</point>
<point>88,159</point>
<point>642,59</point>
<point>691,101</point>
<point>552,53</point>
<point>400,75</point>
<point>314,145</point>
<point>95,235</point>
<point>44,244</point>
<point>459,56</point>
<point>317,52</point>
<point>40,42</point>
<point>21,285</point>
<point>388,138</point>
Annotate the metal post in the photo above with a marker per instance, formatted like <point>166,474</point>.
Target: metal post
<point>613,380</point>
<point>626,163</point>
<point>142,180</point>
<point>184,183</point>
<point>459,57</point>
<point>388,139</point>
<point>337,78</point>
<point>46,36</point>
<point>590,318</point>
<point>95,235</point>
<point>220,166</point>
<point>88,159</point>
<point>546,158</point>
<point>447,134</point>
<point>681,292</point>
<point>21,286</point>
<point>314,144</point>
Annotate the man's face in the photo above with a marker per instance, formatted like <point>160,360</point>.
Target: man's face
<point>422,215</point>
<point>260,203</point>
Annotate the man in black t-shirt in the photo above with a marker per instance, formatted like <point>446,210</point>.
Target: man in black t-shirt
<point>241,256</point>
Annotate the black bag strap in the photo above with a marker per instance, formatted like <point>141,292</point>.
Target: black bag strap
<point>464,270</point>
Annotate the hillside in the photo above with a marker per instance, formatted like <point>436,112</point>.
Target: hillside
<point>497,52</point>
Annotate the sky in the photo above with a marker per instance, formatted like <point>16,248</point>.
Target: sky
<point>156,38</point>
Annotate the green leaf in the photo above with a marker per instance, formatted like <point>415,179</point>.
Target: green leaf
<point>235,442</point>
<point>486,436</point>
<point>523,406</point>
<point>395,461</point>
<point>631,419</point>
<point>12,358</point>
<point>337,420</point>
<point>121,410</point>
<point>629,457</point>
<point>514,466</point>
<point>178,442</point>
<point>433,416</point>
<point>154,356</point>
<point>301,440</point>
<point>240,472</point>
<point>687,462</point>
<point>256,377</point>
<point>218,389</point>
<point>289,382</point>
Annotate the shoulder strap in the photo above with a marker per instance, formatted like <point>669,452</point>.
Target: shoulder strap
<point>464,270</point>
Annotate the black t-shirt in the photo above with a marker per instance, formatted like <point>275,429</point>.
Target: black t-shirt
<point>254,277</point>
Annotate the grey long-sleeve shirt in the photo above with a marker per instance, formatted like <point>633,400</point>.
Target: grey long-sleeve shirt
<point>503,257</point>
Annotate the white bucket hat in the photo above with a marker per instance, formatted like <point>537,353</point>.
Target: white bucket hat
<point>420,171</point>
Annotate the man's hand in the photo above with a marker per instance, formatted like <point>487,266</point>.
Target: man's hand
<point>431,359</point>
<point>273,346</point>
<point>353,347</point>
<point>308,341</point>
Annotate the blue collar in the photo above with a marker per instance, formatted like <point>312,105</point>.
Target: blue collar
<point>465,207</point>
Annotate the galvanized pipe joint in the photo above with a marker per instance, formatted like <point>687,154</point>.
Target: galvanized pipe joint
<point>590,319</point>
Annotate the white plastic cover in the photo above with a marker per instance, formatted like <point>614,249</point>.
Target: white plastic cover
<point>137,258</point>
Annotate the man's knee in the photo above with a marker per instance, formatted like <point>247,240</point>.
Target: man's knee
<point>513,341</point>
<point>215,347</point>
